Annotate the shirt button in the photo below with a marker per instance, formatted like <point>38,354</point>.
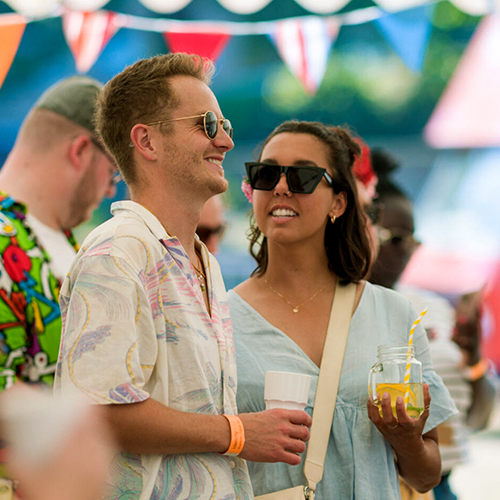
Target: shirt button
<point>233,464</point>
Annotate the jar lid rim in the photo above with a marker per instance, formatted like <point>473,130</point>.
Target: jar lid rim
<point>397,347</point>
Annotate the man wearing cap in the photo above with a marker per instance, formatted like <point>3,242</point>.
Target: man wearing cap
<point>55,176</point>
<point>147,333</point>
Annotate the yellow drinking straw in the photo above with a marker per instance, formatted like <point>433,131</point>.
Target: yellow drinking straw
<point>408,364</point>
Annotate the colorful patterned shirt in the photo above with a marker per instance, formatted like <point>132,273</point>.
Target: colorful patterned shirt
<point>135,326</point>
<point>30,319</point>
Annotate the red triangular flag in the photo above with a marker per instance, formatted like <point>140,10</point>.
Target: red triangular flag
<point>467,115</point>
<point>11,31</point>
<point>87,33</point>
<point>208,45</point>
<point>304,45</point>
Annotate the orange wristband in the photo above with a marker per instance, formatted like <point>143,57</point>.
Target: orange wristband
<point>475,372</point>
<point>237,435</point>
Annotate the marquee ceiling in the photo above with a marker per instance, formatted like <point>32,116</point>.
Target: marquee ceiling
<point>36,8</point>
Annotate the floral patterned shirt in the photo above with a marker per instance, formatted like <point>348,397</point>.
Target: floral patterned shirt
<point>135,326</point>
<point>30,319</point>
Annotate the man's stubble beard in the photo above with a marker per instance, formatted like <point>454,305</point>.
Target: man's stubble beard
<point>196,176</point>
<point>82,202</point>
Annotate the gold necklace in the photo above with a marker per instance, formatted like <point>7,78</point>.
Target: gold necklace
<point>295,309</point>
<point>200,274</point>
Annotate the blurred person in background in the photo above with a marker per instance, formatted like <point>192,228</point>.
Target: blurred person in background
<point>308,237</point>
<point>57,450</point>
<point>212,223</point>
<point>55,176</point>
<point>147,333</point>
<point>396,229</point>
<point>455,335</point>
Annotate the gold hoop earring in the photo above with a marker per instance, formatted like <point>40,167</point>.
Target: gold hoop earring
<point>333,219</point>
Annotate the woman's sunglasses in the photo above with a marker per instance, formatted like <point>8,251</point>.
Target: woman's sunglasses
<point>265,177</point>
<point>210,124</point>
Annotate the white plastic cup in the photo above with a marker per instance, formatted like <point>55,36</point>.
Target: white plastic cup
<point>286,390</point>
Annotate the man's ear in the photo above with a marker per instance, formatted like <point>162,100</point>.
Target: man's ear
<point>80,151</point>
<point>144,140</point>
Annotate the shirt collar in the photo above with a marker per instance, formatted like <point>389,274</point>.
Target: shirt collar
<point>9,203</point>
<point>154,225</point>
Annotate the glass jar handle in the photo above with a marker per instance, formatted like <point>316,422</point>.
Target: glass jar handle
<point>372,383</point>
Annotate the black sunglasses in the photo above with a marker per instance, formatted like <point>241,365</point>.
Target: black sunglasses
<point>398,239</point>
<point>210,124</point>
<point>116,177</point>
<point>265,177</point>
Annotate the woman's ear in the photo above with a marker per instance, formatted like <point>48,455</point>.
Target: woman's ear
<point>339,204</point>
<point>143,139</point>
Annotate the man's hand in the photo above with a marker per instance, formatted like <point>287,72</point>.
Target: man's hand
<point>467,334</point>
<point>275,435</point>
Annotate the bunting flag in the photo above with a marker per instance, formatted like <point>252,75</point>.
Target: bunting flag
<point>408,33</point>
<point>304,45</point>
<point>467,115</point>
<point>11,31</point>
<point>203,44</point>
<point>87,33</point>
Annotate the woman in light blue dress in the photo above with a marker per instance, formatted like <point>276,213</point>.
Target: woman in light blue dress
<point>309,236</point>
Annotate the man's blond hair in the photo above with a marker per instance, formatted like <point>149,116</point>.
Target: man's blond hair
<point>142,94</point>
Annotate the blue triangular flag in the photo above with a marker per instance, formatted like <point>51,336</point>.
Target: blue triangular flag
<point>408,32</point>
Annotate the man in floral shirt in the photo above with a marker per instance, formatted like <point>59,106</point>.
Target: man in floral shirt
<point>147,333</point>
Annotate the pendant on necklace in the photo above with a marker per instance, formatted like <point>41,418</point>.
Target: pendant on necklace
<point>200,280</point>
<point>295,309</point>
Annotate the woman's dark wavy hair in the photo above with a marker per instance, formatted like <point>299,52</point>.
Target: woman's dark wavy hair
<point>346,241</point>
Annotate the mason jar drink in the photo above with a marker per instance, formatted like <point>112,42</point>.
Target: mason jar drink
<point>388,375</point>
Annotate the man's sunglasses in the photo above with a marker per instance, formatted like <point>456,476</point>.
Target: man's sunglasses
<point>115,174</point>
<point>265,177</point>
<point>210,124</point>
<point>398,239</point>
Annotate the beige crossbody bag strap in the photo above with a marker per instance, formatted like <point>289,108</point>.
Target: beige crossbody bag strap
<point>328,382</point>
<point>326,395</point>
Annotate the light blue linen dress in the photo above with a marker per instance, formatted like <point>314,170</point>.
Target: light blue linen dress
<point>359,463</point>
